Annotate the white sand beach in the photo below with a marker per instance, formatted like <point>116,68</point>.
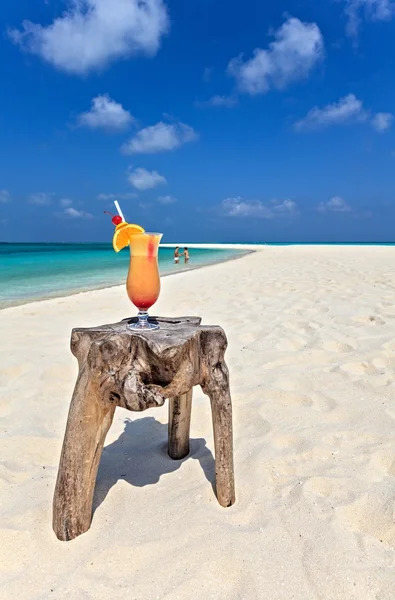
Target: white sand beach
<point>311,356</point>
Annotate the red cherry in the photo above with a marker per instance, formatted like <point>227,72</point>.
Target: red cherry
<point>116,219</point>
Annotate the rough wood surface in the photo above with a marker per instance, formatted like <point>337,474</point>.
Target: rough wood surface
<point>139,370</point>
<point>179,425</point>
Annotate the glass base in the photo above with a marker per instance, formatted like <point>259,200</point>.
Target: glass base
<point>142,323</point>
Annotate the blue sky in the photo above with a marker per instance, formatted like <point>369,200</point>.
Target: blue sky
<point>208,121</point>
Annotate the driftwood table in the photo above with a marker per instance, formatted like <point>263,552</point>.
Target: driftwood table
<point>140,370</point>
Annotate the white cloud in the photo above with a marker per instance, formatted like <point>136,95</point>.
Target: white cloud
<point>160,138</point>
<point>286,207</point>
<point>5,196</point>
<point>142,179</point>
<point>347,110</point>
<point>167,199</point>
<point>297,48</point>
<point>335,204</point>
<point>70,211</point>
<point>92,33</point>
<point>237,207</point>
<point>106,114</point>
<point>215,101</point>
<point>40,199</point>
<point>127,196</point>
<point>382,121</point>
<point>145,205</point>
<point>77,214</point>
<point>371,10</point>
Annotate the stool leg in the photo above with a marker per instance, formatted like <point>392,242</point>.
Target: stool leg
<point>88,422</point>
<point>217,388</point>
<point>179,425</point>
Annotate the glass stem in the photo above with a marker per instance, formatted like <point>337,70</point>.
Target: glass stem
<point>143,319</point>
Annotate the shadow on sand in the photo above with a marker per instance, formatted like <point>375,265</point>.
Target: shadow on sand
<point>139,456</point>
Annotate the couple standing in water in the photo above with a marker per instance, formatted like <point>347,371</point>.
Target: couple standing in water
<point>178,254</point>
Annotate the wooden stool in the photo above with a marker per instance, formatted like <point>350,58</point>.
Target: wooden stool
<point>139,370</point>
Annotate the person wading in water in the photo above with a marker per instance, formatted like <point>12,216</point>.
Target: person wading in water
<point>177,255</point>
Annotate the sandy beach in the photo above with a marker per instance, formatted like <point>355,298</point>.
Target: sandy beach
<point>311,356</point>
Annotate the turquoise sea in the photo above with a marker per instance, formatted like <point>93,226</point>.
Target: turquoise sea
<point>37,271</point>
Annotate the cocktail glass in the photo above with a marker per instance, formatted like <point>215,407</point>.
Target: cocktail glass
<point>143,282</point>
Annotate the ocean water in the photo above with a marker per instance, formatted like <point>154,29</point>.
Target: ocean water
<point>37,271</point>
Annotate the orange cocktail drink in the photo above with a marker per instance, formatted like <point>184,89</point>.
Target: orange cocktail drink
<point>143,282</point>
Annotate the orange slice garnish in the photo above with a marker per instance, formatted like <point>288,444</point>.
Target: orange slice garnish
<point>122,234</point>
